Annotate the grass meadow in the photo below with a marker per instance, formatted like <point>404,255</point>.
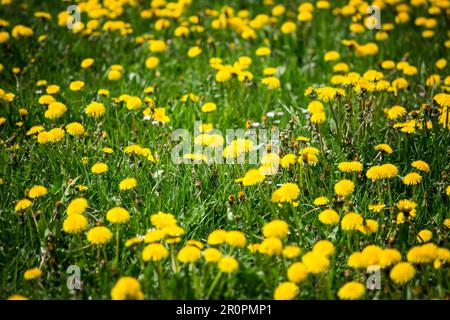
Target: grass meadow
<point>348,197</point>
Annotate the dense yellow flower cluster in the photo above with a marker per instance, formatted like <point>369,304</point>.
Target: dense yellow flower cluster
<point>313,148</point>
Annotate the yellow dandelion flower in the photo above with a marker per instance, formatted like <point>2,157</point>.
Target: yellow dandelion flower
<point>209,107</point>
<point>344,188</point>
<point>371,255</point>
<point>95,109</point>
<point>134,103</point>
<point>228,264</point>
<point>154,236</point>
<point>194,51</point>
<point>54,135</point>
<point>32,274</point>
<point>376,207</point>
<point>159,115</point>
<point>355,260</point>
<point>402,272</point>
<point>87,63</point>
<point>235,239</point>
<point>118,215</point>
<point>252,177</point>
<point>396,112</point>
<point>321,201</point>
<point>315,262</point>
<point>271,82</point>
<point>388,257</point>
<point>35,129</point>
<point>107,150</point>
<point>412,178</point>
<point>447,223</point>
<point>406,206</point>
<point>75,223</point>
<point>297,272</point>
<point>55,110</point>
<point>329,216</point>
<point>291,252</point>
<point>22,205</point>
<point>426,253</point>
<point>383,147</point>
<point>189,254</point>
<point>286,291</point>
<point>155,252</point>
<point>127,288</point>
<point>288,160</point>
<point>421,165</point>
<point>17,297</point>
<point>368,227</point>
<point>151,62</point>
<point>217,237</point>
<point>163,220</point>
<point>276,228</point>
<point>424,235</point>
<point>75,129</point>
<point>288,192</point>
<point>174,231</point>
<point>351,166</point>
<point>127,184</point>
<point>331,56</point>
<point>351,221</point>
<point>103,92</point>
<point>53,89</point>
<point>385,171</point>
<point>212,255</point>
<point>133,241</point>
<point>99,235</point>
<point>324,247</point>
<point>351,291</point>
<point>81,187</point>
<point>114,75</point>
<point>76,85</point>
<point>288,27</point>
<point>37,191</point>
<point>271,246</point>
<point>263,51</point>
<point>99,168</point>
<point>77,206</point>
